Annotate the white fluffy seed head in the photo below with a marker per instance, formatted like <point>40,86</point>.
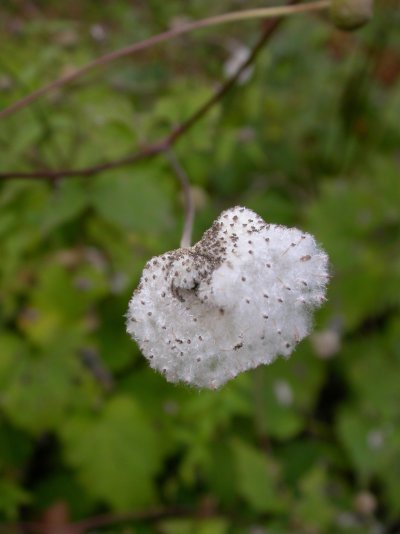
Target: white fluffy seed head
<point>240,297</point>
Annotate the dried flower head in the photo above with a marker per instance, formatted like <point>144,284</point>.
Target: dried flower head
<point>238,298</point>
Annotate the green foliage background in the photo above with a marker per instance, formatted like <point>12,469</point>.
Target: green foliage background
<point>309,445</point>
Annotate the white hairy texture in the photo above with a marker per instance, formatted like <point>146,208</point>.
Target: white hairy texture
<point>240,297</point>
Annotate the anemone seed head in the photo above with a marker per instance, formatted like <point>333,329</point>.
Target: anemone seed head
<point>238,298</point>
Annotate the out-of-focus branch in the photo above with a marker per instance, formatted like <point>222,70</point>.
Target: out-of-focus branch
<point>93,363</point>
<point>104,520</point>
<point>265,13</point>
<point>107,520</point>
<point>143,153</point>
<point>165,143</point>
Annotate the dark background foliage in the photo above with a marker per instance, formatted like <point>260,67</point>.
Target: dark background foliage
<point>88,433</point>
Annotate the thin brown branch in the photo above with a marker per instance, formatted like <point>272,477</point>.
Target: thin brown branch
<point>21,528</point>
<point>268,12</point>
<point>94,364</point>
<point>187,198</point>
<point>143,153</point>
<point>105,520</point>
<point>151,150</point>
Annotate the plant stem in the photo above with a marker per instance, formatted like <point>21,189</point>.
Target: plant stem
<point>187,198</point>
<point>236,16</point>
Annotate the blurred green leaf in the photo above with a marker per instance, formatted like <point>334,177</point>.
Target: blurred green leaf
<point>138,200</point>
<point>257,478</point>
<point>310,140</point>
<point>40,389</point>
<point>116,453</point>
<point>189,526</point>
<point>11,498</point>
<point>314,509</point>
<point>67,202</point>
<point>285,391</point>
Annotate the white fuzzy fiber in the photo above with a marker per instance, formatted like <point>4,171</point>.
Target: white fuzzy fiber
<point>240,297</point>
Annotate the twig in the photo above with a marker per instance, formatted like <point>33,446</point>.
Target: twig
<point>164,144</point>
<point>106,520</point>
<point>267,12</point>
<point>92,361</point>
<point>187,198</point>
<point>103,520</point>
<point>144,153</point>
<point>37,111</point>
